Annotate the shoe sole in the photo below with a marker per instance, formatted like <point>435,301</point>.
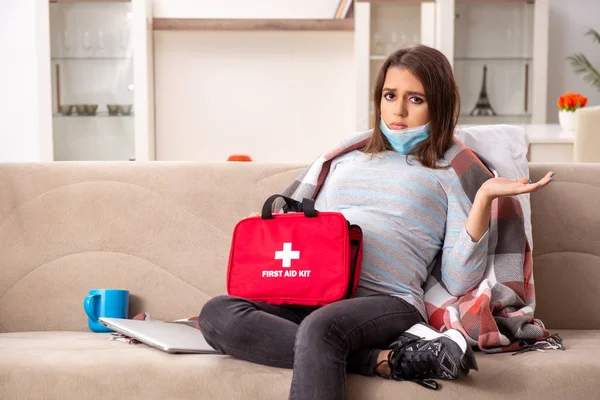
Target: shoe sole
<point>467,360</point>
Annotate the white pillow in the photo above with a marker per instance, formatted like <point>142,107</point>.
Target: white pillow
<point>505,146</point>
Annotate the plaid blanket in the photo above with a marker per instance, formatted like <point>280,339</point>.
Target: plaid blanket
<point>496,316</point>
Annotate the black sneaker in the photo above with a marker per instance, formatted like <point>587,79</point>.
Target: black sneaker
<point>422,354</point>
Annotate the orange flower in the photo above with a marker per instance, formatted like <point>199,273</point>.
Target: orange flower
<point>571,101</point>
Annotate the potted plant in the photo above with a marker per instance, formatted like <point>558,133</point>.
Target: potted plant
<point>568,103</point>
<point>581,64</point>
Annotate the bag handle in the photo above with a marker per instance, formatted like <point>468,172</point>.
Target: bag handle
<point>307,206</point>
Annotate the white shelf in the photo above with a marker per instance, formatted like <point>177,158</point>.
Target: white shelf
<point>93,138</point>
<point>492,59</point>
<point>543,133</point>
<point>548,134</point>
<point>496,119</point>
<point>253,24</point>
<point>98,115</point>
<point>92,58</point>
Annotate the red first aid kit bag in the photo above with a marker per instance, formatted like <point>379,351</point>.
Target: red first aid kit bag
<point>308,258</point>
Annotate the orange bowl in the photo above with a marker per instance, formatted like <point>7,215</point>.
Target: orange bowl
<point>239,157</point>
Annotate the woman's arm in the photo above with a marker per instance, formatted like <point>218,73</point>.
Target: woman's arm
<point>478,220</point>
<point>464,256</point>
<point>463,259</point>
<point>479,216</point>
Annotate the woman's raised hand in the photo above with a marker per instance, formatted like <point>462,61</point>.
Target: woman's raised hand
<point>499,187</point>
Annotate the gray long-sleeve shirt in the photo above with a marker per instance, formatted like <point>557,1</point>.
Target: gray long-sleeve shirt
<point>408,214</point>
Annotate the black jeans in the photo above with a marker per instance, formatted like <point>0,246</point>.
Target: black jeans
<point>320,344</point>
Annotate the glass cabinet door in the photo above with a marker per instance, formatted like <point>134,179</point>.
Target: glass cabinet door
<point>393,26</point>
<point>92,81</point>
<point>498,50</point>
<point>493,61</point>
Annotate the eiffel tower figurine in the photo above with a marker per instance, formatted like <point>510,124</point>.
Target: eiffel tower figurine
<point>483,106</point>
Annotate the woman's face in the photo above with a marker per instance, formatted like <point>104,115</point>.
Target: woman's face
<point>403,102</point>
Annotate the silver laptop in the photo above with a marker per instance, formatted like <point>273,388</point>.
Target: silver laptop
<point>171,337</point>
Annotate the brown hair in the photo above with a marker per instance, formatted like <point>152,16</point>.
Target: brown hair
<point>432,68</point>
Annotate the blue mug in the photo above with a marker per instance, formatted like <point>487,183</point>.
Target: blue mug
<point>112,303</point>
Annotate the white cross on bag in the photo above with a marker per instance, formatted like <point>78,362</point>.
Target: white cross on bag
<point>287,255</point>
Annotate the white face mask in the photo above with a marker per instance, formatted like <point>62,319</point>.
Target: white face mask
<point>404,140</point>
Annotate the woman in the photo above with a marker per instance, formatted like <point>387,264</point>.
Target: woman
<point>412,208</point>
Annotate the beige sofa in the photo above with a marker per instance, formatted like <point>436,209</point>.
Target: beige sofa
<point>162,230</point>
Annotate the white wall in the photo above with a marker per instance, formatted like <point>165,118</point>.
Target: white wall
<point>25,93</point>
<point>276,95</point>
<point>217,93</point>
<point>569,20</point>
<point>245,8</point>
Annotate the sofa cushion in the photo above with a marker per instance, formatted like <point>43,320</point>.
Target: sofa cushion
<point>83,365</point>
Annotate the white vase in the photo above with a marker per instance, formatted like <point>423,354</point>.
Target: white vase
<point>567,120</point>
